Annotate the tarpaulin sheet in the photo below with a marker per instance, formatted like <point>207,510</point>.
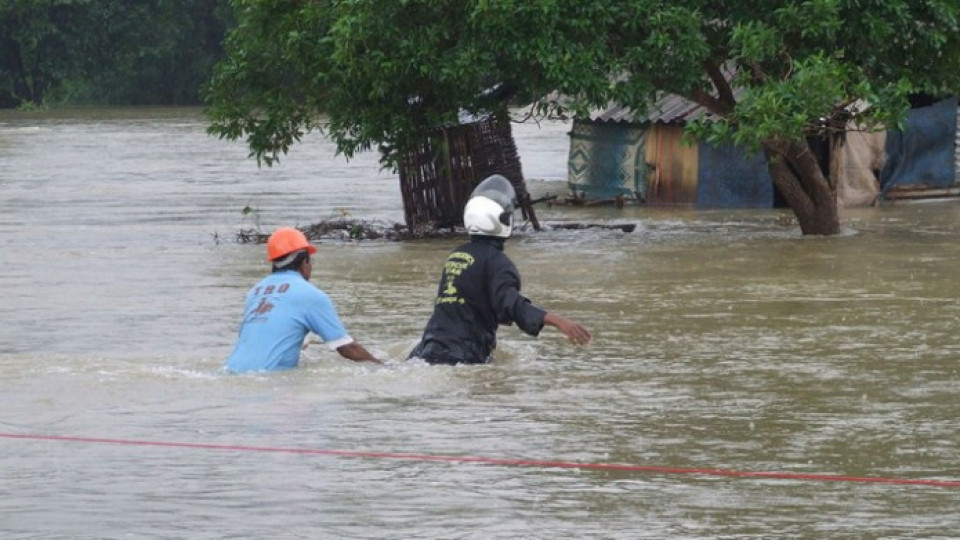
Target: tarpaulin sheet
<point>923,153</point>
<point>859,161</point>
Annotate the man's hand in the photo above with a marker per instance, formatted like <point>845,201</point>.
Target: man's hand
<point>575,332</point>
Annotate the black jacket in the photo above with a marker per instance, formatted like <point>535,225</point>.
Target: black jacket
<point>479,290</point>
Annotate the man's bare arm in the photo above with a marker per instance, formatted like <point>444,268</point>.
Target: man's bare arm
<point>358,353</point>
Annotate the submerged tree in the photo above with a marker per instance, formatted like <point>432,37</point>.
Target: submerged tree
<point>773,74</point>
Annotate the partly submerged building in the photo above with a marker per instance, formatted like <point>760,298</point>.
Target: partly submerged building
<point>619,153</point>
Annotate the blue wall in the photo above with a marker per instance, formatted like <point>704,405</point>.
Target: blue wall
<point>727,178</point>
<point>923,153</point>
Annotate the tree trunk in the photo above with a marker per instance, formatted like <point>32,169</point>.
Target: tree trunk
<point>793,165</point>
<point>797,175</point>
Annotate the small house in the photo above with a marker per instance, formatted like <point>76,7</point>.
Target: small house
<point>617,153</point>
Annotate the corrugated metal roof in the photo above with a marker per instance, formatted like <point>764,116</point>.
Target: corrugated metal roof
<point>667,110</point>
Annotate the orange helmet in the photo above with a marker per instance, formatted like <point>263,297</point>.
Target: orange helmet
<point>285,241</point>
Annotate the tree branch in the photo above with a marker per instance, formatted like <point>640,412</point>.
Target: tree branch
<point>712,104</point>
<point>720,82</point>
<point>724,102</point>
<point>757,76</point>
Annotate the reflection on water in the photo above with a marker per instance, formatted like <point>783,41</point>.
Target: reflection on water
<point>724,339</point>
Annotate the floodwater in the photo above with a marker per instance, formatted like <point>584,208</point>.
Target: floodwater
<point>723,341</point>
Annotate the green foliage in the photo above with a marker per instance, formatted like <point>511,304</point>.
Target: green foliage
<point>384,72</point>
<point>805,66</point>
<point>34,46</point>
<point>132,52</point>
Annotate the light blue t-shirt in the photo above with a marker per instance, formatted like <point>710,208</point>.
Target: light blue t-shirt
<point>279,312</point>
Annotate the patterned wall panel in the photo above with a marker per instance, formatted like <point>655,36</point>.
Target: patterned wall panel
<point>606,160</point>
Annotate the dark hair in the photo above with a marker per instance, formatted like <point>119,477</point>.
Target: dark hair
<point>303,256</point>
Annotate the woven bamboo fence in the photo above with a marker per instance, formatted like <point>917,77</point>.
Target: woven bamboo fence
<point>437,177</point>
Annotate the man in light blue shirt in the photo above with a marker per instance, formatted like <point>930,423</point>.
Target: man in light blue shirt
<point>283,307</point>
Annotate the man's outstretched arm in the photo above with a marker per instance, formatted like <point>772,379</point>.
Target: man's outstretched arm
<point>358,353</point>
<point>575,332</point>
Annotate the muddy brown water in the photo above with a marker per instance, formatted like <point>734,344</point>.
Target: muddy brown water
<point>724,340</point>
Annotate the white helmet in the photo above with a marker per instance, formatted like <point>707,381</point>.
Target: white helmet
<point>489,211</point>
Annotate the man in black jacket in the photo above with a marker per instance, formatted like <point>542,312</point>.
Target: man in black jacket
<point>480,288</point>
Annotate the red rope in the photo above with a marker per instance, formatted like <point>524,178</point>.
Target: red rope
<point>498,461</point>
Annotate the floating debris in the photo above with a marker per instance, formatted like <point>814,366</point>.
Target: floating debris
<point>349,230</point>
<point>625,227</point>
